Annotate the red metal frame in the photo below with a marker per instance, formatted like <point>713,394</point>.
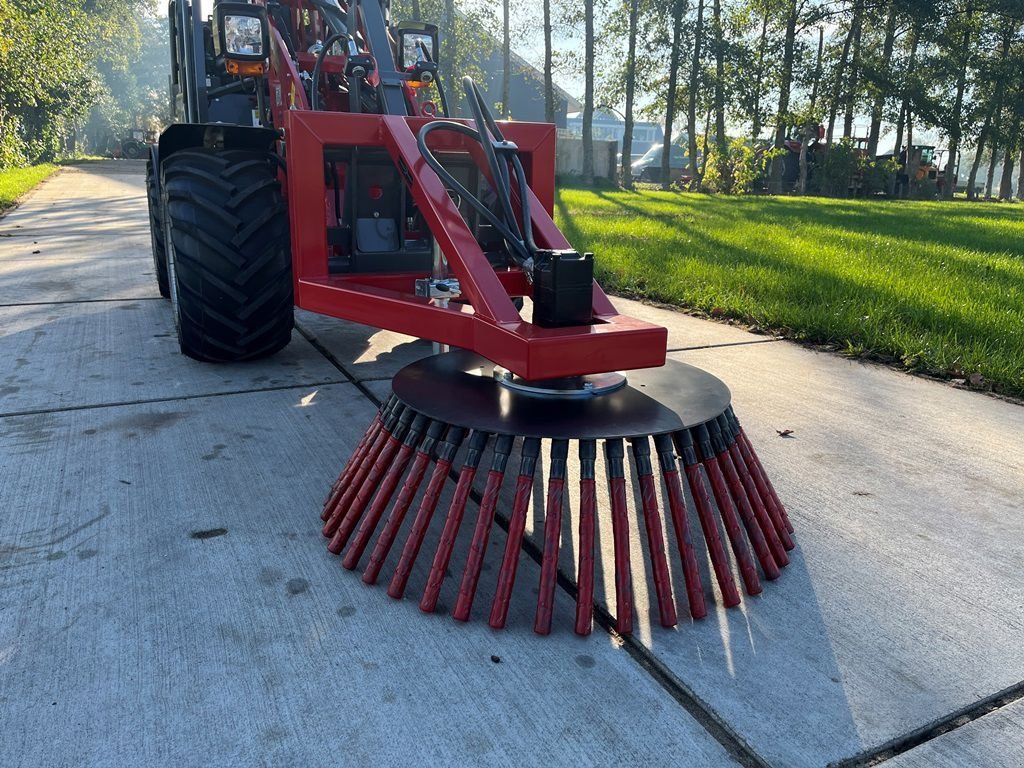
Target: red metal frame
<point>485,320</point>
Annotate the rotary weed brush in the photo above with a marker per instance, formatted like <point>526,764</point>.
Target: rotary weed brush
<point>457,419</point>
<point>489,421</point>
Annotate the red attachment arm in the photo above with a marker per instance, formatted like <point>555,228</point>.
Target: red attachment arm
<point>485,321</point>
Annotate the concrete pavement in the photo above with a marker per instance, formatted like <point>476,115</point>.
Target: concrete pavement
<point>165,595</point>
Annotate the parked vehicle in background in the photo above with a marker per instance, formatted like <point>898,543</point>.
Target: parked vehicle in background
<point>131,144</point>
<point>648,167</point>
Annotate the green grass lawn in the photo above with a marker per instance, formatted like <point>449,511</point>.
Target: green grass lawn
<point>938,287</point>
<point>14,182</point>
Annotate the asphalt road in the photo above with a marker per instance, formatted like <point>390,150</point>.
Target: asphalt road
<point>166,597</point>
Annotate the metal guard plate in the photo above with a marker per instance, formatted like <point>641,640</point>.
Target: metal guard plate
<point>458,388</point>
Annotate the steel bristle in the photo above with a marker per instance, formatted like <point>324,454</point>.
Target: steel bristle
<point>389,481</point>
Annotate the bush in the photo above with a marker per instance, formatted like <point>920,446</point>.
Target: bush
<point>836,168</point>
<point>13,152</point>
<point>877,177</point>
<point>736,173</point>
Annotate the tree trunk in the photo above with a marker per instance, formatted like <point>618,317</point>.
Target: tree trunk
<point>955,129</point>
<point>1020,177</point>
<point>810,130</point>
<point>506,60</point>
<point>972,178</point>
<point>785,82</point>
<point>721,141</point>
<point>588,92</point>
<point>1006,182</point>
<point>549,86</point>
<point>851,88</point>
<point>900,122</point>
<point>905,118</point>
<point>993,161</point>
<point>691,106</point>
<point>678,9</point>
<point>836,95</point>
<point>997,106</point>
<point>626,170</point>
<point>755,130</point>
<point>704,143</point>
<point>879,103</point>
<point>415,10</point>
<point>897,147</point>
<point>816,84</point>
<point>912,159</point>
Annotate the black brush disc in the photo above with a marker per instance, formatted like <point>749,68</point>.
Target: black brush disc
<point>460,388</point>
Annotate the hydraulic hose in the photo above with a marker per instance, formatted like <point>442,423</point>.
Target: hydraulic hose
<point>314,98</point>
<point>520,242</point>
<point>514,239</point>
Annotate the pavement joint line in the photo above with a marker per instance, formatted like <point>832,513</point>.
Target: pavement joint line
<point>699,710</point>
<point>933,730</point>
<point>77,301</point>
<point>180,398</point>
<point>682,694</point>
<point>311,337</point>
<point>724,344</point>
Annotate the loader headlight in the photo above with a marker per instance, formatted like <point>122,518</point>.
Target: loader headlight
<point>242,33</point>
<point>417,44</point>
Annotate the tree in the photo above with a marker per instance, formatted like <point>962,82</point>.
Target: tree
<point>785,83</point>
<point>838,77</point>
<point>506,59</point>
<point>626,171</point>
<point>678,10</point>
<point>694,87</point>
<point>879,79</point>
<point>963,30</point>
<point>721,140</point>
<point>588,92</point>
<point>549,86</point>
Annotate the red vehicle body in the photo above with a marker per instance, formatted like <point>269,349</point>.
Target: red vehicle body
<point>483,318</point>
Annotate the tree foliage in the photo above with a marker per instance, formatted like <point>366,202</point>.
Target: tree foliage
<point>61,60</point>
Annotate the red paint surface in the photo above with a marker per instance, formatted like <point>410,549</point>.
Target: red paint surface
<point>585,572</point>
<point>756,462</point>
<point>342,506</point>
<point>420,524</point>
<point>620,543</point>
<point>764,521</point>
<point>681,525</point>
<point>376,510</point>
<point>656,546</point>
<point>549,563</point>
<point>397,516</point>
<point>478,546</point>
<point>447,541</point>
<point>364,492</point>
<point>732,527</point>
<point>513,544</point>
<point>754,533</point>
<point>716,550</point>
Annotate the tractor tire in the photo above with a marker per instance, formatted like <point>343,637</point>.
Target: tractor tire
<point>229,254</point>
<point>156,233</point>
